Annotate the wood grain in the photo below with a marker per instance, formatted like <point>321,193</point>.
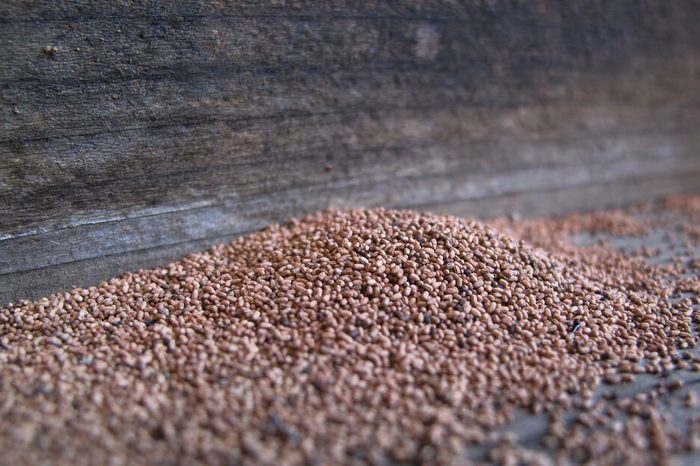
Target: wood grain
<point>151,131</point>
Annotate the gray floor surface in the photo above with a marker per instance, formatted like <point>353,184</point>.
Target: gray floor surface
<point>529,430</point>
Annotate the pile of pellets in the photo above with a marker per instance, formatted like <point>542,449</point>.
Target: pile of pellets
<point>346,337</point>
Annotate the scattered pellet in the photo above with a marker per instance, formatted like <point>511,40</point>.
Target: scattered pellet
<point>348,337</point>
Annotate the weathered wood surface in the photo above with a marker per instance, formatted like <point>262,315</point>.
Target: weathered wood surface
<point>152,131</point>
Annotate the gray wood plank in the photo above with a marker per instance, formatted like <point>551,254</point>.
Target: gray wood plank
<point>151,130</point>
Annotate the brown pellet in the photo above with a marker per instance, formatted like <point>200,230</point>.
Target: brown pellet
<point>346,337</point>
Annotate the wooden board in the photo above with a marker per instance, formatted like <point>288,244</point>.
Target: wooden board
<point>133,134</point>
